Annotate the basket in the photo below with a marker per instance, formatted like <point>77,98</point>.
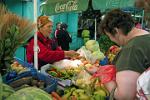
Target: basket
<point>51,83</point>
<point>61,82</point>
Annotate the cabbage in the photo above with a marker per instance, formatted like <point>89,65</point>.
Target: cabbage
<point>86,39</point>
<point>98,55</point>
<point>85,33</point>
<point>92,45</point>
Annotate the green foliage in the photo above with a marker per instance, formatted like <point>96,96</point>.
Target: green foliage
<point>105,43</point>
<point>8,47</point>
<point>14,32</point>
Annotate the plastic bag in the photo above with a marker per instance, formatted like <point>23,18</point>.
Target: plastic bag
<point>65,63</point>
<point>106,73</point>
<point>83,79</point>
<point>90,57</point>
<point>143,85</point>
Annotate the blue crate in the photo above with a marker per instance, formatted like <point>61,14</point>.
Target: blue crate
<point>51,83</point>
<point>24,63</point>
<point>21,75</point>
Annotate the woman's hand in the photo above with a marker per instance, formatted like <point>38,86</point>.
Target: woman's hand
<point>70,54</point>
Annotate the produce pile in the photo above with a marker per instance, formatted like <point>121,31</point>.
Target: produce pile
<point>78,69</point>
<point>66,73</point>
<point>89,93</point>
<point>84,85</point>
<point>15,70</point>
<point>15,66</point>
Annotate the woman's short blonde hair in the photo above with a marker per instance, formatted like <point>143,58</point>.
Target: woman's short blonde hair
<point>42,20</point>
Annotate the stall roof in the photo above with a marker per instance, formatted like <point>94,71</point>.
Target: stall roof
<point>109,4</point>
<point>51,7</point>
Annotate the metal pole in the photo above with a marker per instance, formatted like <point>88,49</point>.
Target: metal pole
<point>95,29</point>
<point>142,24</point>
<point>35,37</point>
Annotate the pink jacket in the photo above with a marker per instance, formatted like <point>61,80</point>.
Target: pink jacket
<point>45,54</point>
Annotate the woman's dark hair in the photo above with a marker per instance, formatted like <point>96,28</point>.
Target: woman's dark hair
<point>63,25</point>
<point>117,18</point>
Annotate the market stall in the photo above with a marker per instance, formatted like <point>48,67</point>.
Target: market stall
<point>68,78</point>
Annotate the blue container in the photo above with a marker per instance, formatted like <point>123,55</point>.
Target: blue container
<point>104,61</point>
<point>21,75</point>
<point>51,83</point>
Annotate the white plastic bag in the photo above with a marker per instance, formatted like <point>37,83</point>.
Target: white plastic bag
<point>91,56</point>
<point>65,63</point>
<point>143,85</point>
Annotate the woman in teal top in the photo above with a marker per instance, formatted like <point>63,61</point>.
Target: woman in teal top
<point>134,56</point>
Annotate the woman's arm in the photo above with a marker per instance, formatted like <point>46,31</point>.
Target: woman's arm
<point>125,85</point>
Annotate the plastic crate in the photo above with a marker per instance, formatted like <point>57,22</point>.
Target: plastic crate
<point>61,82</point>
<point>51,83</point>
<point>21,75</point>
<point>24,63</point>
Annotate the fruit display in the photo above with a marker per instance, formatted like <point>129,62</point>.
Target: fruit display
<point>15,70</point>
<point>15,66</point>
<point>30,93</point>
<point>66,73</point>
<point>96,92</point>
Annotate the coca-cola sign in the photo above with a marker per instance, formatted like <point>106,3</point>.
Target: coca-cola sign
<point>68,6</point>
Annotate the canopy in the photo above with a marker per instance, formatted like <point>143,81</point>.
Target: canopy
<point>109,4</point>
<point>51,7</point>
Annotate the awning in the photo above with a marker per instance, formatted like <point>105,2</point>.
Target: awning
<point>51,7</point>
<point>109,4</point>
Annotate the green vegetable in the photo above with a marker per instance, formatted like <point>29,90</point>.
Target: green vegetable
<point>30,93</point>
<point>6,91</point>
<point>53,73</point>
<point>85,34</point>
<point>92,45</point>
<point>105,43</point>
<point>98,55</point>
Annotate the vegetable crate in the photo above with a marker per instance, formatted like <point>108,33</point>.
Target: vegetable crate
<point>61,82</point>
<point>51,83</point>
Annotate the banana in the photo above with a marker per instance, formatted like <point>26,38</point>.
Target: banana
<point>104,88</point>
